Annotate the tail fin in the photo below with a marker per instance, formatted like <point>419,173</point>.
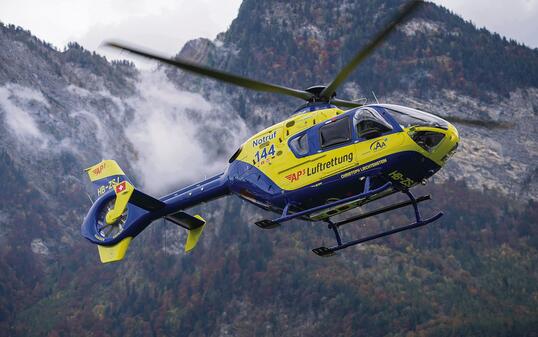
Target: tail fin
<point>114,253</point>
<point>106,176</point>
<point>121,212</point>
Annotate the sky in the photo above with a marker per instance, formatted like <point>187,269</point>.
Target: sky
<point>165,25</point>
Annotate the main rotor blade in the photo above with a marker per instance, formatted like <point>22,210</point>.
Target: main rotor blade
<point>409,8</point>
<point>487,124</point>
<point>344,103</point>
<point>214,74</point>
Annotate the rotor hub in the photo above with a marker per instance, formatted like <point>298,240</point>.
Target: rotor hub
<point>316,90</point>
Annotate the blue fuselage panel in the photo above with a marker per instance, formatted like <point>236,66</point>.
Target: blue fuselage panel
<point>251,184</point>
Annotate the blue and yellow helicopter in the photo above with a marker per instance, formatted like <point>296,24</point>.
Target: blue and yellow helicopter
<point>320,162</point>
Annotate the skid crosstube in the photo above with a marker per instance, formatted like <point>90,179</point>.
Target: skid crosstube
<point>267,224</point>
<point>325,251</point>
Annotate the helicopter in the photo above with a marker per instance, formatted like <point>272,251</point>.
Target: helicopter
<point>320,162</point>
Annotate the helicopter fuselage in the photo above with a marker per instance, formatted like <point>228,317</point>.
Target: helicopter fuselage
<point>275,167</point>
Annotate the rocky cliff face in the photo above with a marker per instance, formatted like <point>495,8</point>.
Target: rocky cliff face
<point>436,62</point>
<point>61,111</point>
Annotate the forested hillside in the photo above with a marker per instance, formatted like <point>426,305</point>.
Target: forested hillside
<point>473,273</point>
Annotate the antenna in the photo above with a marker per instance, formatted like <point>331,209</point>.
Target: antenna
<point>373,93</point>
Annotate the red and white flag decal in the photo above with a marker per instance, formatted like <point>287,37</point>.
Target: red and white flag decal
<point>121,187</point>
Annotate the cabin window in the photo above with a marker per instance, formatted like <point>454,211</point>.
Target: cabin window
<point>370,124</point>
<point>335,133</point>
<point>300,144</point>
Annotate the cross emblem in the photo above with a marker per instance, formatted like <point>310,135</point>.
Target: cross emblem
<point>120,187</point>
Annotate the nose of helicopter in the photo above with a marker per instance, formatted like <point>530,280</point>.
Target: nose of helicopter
<point>451,144</point>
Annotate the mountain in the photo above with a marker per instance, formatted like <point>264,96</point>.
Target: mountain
<point>436,62</point>
<point>302,44</point>
<point>472,273</point>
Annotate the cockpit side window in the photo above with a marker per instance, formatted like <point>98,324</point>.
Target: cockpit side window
<point>300,144</point>
<point>335,133</point>
<point>370,123</point>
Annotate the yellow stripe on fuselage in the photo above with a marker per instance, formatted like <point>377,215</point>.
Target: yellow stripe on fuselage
<point>289,172</point>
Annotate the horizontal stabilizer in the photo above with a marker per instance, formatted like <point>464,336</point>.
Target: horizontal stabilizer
<point>194,224</point>
<point>114,253</point>
<point>145,201</point>
<point>185,220</point>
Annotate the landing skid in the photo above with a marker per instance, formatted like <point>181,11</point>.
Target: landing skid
<point>286,216</point>
<point>325,252</point>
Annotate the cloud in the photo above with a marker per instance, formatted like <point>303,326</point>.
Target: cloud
<point>15,101</point>
<point>166,25</point>
<point>179,136</point>
<point>163,25</point>
<point>98,130</point>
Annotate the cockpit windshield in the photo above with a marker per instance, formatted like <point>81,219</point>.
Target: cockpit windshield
<point>408,117</point>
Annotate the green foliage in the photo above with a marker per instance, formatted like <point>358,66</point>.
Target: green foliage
<point>473,273</point>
